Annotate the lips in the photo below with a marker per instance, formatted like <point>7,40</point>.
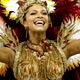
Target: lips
<point>39,23</point>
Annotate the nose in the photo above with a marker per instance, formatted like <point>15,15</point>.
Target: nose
<point>40,15</point>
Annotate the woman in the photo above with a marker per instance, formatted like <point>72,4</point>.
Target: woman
<point>37,58</point>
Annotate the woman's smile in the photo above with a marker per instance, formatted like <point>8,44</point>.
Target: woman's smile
<point>39,23</point>
<point>37,18</point>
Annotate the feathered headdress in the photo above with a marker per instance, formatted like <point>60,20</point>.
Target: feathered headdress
<point>25,4</point>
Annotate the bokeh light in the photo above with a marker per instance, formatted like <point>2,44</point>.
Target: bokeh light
<point>10,5</point>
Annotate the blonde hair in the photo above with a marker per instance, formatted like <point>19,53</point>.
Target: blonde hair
<point>22,10</point>
<point>25,4</point>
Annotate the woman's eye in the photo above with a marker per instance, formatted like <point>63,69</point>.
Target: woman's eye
<point>45,13</point>
<point>32,13</point>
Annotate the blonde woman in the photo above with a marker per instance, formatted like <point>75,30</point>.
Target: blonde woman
<point>38,58</point>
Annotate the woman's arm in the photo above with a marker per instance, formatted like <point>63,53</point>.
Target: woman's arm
<point>72,48</point>
<point>7,56</point>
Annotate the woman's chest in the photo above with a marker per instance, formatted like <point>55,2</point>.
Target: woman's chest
<point>48,66</point>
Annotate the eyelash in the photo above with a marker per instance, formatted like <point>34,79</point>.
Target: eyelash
<point>32,13</point>
<point>44,13</point>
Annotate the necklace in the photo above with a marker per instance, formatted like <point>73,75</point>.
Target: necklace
<point>40,48</point>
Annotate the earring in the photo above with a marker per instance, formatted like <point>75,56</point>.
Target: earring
<point>26,28</point>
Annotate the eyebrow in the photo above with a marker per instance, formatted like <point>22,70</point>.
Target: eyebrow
<point>41,10</point>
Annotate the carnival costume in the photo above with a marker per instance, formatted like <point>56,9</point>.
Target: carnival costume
<point>43,61</point>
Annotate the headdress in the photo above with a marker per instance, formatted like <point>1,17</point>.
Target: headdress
<point>25,4</point>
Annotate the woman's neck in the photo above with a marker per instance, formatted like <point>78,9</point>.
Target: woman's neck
<point>36,37</point>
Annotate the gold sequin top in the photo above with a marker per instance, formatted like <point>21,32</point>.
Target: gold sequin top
<point>44,61</point>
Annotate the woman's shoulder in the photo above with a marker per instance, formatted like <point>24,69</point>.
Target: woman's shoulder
<point>6,50</point>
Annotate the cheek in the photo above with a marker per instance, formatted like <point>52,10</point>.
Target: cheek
<point>29,21</point>
<point>47,22</point>
<point>47,19</point>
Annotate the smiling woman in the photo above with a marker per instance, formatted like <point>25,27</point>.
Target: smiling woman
<point>36,19</point>
<point>37,58</point>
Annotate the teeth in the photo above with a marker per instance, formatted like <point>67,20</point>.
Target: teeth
<point>39,22</point>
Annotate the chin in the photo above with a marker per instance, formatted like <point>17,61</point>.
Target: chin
<point>39,30</point>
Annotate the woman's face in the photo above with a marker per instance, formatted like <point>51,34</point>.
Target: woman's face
<point>37,18</point>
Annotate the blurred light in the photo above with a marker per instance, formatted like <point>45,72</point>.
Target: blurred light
<point>10,5</point>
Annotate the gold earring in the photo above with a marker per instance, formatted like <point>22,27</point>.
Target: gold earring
<point>26,28</point>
